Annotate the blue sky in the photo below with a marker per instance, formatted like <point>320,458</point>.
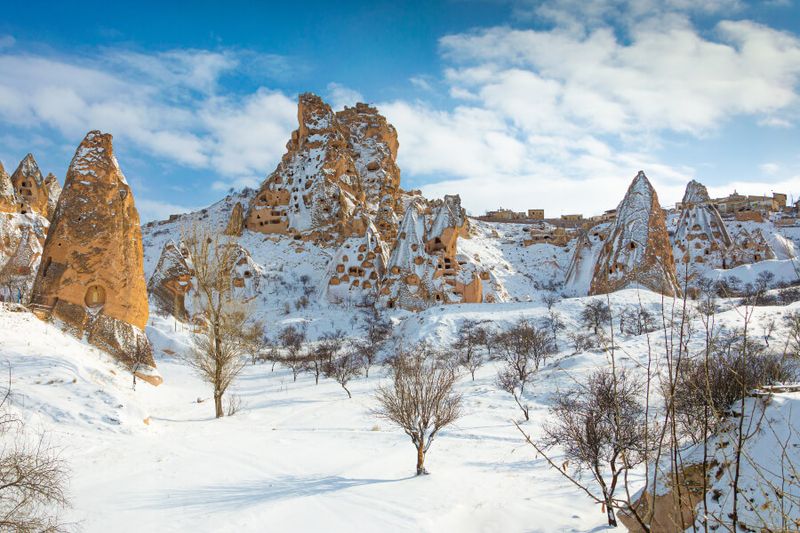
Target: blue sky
<point>553,104</point>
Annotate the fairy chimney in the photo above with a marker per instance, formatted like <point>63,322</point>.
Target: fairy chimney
<point>236,222</point>
<point>29,187</point>
<point>91,277</point>
<point>8,200</point>
<point>53,189</point>
<point>637,252</point>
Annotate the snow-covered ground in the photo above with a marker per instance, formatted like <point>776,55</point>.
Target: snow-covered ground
<point>300,456</point>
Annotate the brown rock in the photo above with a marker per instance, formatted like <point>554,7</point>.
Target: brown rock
<point>236,222</point>
<point>91,277</point>
<point>8,199</point>
<point>29,187</point>
<point>53,192</point>
<point>22,238</point>
<point>638,251</point>
<point>171,280</point>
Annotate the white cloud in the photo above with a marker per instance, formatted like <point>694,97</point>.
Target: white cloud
<point>165,104</point>
<point>769,169</point>
<point>339,96</point>
<point>158,210</point>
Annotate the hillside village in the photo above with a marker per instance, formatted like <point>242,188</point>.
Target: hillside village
<point>326,249</point>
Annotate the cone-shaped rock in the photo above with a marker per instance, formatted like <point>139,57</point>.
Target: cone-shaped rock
<point>29,187</point>
<point>700,236</point>
<point>53,192</point>
<point>172,280</point>
<point>91,277</point>
<point>236,222</point>
<point>8,200</point>
<point>637,252</point>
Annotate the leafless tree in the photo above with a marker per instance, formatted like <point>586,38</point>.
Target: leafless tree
<point>292,340</point>
<point>581,342</point>
<point>601,428</point>
<point>343,368</point>
<point>550,299</point>
<point>32,478</point>
<point>523,348</point>
<point>228,334</point>
<point>469,339</point>
<point>596,315</point>
<point>555,324</point>
<point>420,398</point>
<point>768,325</point>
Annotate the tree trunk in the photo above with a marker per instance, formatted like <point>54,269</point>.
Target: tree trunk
<point>612,520</point>
<point>347,391</point>
<point>421,458</point>
<point>218,404</point>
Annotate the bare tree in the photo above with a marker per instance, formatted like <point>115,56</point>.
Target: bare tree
<point>343,368</point>
<point>550,299</point>
<point>377,331</point>
<point>420,399</point>
<point>523,348</point>
<point>602,428</point>
<point>292,340</point>
<point>227,334</point>
<point>554,323</point>
<point>32,479</point>
<point>469,339</point>
<point>596,315</point>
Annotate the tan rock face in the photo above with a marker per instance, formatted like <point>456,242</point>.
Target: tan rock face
<point>424,268</point>
<point>637,251</point>
<point>236,222</point>
<point>53,192</point>
<point>700,236</point>
<point>29,187</point>
<point>21,241</point>
<point>8,199</point>
<point>91,277</point>
<point>339,169</point>
<point>172,280</point>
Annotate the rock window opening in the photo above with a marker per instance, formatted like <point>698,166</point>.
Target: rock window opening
<point>95,296</point>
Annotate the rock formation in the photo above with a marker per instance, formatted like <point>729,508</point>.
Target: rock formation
<point>29,187</point>
<point>338,172</point>
<point>172,280</point>
<point>356,271</point>
<point>91,278</point>
<point>637,252</point>
<point>53,189</point>
<point>236,222</point>
<point>749,246</point>
<point>8,199</point>
<point>21,241</point>
<point>700,236</point>
<point>424,268</point>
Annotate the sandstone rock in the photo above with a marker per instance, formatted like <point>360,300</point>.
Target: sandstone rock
<point>338,172</point>
<point>8,199</point>
<point>29,187</point>
<point>700,236</point>
<point>236,222</point>
<point>91,278</point>
<point>53,192</point>
<point>356,271</point>
<point>424,268</point>
<point>638,251</point>
<point>21,241</point>
<point>749,246</point>
<point>172,280</point>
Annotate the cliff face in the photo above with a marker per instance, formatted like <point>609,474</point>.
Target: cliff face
<point>637,251</point>
<point>53,189</point>
<point>424,268</point>
<point>8,199</point>
<point>91,277</point>
<point>700,236</point>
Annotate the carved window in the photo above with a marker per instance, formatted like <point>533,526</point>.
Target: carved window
<point>95,296</point>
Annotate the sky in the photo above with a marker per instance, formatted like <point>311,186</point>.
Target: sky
<point>553,104</point>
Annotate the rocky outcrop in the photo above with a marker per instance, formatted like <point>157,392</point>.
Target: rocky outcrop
<point>356,271</point>
<point>424,268</point>
<point>53,189</point>
<point>91,278</point>
<point>637,252</point>
<point>171,280</point>
<point>29,187</point>
<point>236,222</point>
<point>8,199</point>
<point>700,235</point>
<point>338,172</point>
<point>749,246</point>
<point>21,241</point>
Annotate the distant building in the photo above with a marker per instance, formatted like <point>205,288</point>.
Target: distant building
<point>536,214</point>
<point>572,217</point>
